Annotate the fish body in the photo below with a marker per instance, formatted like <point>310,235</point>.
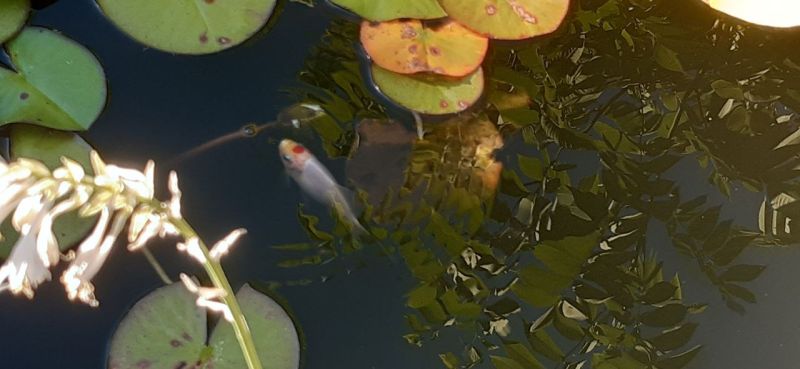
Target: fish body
<point>316,181</point>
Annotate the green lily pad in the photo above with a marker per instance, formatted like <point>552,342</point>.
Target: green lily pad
<point>274,333</point>
<point>189,26</point>
<point>13,14</point>
<point>430,94</point>
<point>48,146</point>
<point>383,10</point>
<point>57,83</point>
<point>508,19</point>
<point>167,330</point>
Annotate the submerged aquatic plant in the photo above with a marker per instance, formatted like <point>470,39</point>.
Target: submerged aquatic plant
<point>34,197</point>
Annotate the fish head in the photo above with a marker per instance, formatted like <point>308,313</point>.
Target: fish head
<point>293,155</point>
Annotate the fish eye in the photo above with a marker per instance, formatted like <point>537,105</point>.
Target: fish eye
<point>287,158</point>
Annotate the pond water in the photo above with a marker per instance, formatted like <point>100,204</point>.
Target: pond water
<point>353,312</point>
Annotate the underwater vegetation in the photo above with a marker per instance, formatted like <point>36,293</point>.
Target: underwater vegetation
<point>548,137</point>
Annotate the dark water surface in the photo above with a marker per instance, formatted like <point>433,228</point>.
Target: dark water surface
<point>162,105</point>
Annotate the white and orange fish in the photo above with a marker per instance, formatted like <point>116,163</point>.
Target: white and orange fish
<point>315,180</point>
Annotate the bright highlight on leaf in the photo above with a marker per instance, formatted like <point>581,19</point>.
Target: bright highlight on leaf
<point>508,19</point>
<point>56,82</point>
<point>13,14</point>
<point>430,94</point>
<point>189,27</point>
<point>773,13</point>
<point>409,46</point>
<point>384,10</point>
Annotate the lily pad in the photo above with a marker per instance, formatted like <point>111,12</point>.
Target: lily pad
<point>48,146</point>
<point>508,19</point>
<point>384,10</point>
<point>167,330</point>
<point>409,46</point>
<point>13,14</point>
<point>428,93</point>
<point>57,83</point>
<point>189,27</point>
<point>274,333</point>
<point>773,13</point>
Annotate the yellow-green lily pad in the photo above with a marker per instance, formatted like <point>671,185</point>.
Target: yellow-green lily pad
<point>13,14</point>
<point>48,146</point>
<point>55,83</point>
<point>428,93</point>
<point>508,19</point>
<point>189,26</point>
<point>167,330</point>
<point>384,10</point>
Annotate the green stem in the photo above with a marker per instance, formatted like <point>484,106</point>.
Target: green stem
<point>217,275</point>
<point>156,265</point>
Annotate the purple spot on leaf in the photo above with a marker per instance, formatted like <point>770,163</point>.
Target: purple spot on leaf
<point>24,96</point>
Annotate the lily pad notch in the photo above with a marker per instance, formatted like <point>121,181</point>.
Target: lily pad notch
<point>166,329</point>
<point>56,82</point>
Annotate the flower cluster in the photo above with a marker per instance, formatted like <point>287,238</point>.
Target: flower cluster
<point>34,197</point>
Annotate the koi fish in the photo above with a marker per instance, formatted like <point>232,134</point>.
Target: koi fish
<point>315,180</point>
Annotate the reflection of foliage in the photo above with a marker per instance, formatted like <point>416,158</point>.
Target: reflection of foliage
<point>558,267</point>
<point>333,80</point>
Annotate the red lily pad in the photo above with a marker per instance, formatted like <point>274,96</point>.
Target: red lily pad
<point>429,93</point>
<point>409,46</point>
<point>508,19</point>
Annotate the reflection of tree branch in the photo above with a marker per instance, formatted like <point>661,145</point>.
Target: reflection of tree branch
<point>602,111</point>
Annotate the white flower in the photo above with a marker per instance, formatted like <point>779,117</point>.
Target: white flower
<point>192,247</point>
<point>46,243</point>
<point>92,253</point>
<point>25,269</point>
<point>206,297</point>
<point>224,245</point>
<point>11,196</point>
<point>175,201</point>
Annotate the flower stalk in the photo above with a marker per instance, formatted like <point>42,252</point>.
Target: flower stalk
<point>33,196</point>
<point>214,270</point>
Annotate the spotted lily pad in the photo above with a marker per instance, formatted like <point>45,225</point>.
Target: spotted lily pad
<point>189,26</point>
<point>56,82</point>
<point>409,46</point>
<point>773,13</point>
<point>428,93</point>
<point>383,10</point>
<point>13,14</point>
<point>48,146</point>
<point>508,19</point>
<point>167,330</point>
